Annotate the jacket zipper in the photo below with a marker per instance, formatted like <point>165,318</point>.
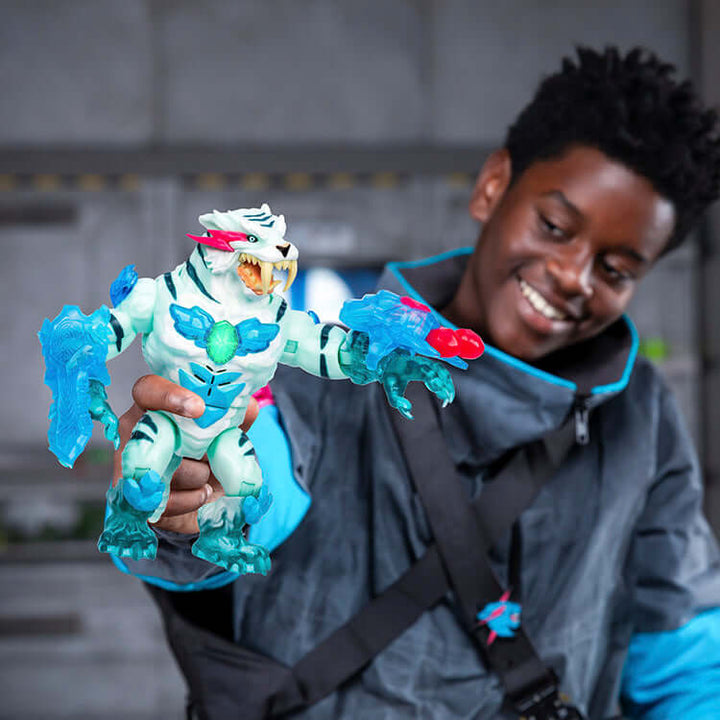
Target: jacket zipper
<point>582,419</point>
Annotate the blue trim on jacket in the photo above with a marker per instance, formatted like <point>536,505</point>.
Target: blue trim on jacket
<point>675,674</point>
<point>397,267</point>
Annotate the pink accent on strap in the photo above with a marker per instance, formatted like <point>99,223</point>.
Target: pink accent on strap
<point>220,239</point>
<point>414,304</point>
<point>264,396</point>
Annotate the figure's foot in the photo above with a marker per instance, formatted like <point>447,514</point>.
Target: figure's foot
<point>136,544</point>
<point>126,532</point>
<point>221,538</point>
<point>235,555</point>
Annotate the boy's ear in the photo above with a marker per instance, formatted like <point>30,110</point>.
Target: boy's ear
<point>490,186</point>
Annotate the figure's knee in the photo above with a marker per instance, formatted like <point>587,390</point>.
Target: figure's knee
<point>152,444</point>
<point>234,463</point>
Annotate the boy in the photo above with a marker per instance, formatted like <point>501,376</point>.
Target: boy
<point>605,171</point>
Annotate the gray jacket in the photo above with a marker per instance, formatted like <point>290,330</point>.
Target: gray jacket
<point>614,544</point>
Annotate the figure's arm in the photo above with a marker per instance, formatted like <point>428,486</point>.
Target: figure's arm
<point>673,664</point>
<point>328,351</point>
<point>313,347</point>
<point>76,348</point>
<point>133,316</point>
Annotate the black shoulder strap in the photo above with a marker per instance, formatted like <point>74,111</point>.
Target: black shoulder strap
<point>457,559</point>
<point>463,542</point>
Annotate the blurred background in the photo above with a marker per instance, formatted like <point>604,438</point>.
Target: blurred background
<point>364,123</point>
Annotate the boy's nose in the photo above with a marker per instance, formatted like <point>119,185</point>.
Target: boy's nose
<point>572,272</point>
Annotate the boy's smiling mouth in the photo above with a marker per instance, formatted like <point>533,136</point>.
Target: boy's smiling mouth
<point>540,304</point>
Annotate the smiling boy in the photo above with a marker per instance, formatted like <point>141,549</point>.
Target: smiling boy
<point>619,576</point>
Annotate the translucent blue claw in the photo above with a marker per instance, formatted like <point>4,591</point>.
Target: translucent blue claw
<point>146,493</point>
<point>101,411</point>
<point>255,507</point>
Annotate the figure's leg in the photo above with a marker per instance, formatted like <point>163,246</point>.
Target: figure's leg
<point>148,462</point>
<point>233,461</point>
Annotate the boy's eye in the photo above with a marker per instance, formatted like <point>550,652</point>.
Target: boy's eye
<point>615,273</point>
<point>550,228</point>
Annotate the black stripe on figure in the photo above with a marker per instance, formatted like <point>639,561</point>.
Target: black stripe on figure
<point>243,439</point>
<point>192,274</point>
<point>323,367</point>
<point>170,285</point>
<point>201,253</point>
<point>281,311</point>
<point>119,332</point>
<point>140,435</point>
<point>251,451</point>
<point>147,420</point>
<point>325,335</point>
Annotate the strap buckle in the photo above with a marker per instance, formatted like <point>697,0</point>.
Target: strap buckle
<point>546,704</point>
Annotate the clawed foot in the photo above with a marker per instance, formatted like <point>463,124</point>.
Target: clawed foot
<point>123,542</point>
<point>126,532</point>
<point>245,558</point>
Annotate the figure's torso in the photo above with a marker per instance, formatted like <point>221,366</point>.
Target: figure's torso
<point>204,352</point>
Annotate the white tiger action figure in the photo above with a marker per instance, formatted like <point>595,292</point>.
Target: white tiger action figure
<point>216,326</point>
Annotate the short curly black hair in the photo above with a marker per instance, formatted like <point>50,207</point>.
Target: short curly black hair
<point>631,108</point>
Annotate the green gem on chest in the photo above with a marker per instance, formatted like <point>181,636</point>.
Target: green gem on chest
<point>222,342</point>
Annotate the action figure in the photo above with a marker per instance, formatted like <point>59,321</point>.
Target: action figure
<point>216,326</point>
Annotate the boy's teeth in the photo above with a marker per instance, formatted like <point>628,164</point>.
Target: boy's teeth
<point>540,304</point>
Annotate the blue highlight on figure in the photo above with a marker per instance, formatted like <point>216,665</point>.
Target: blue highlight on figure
<point>391,323</point>
<point>222,340</point>
<point>218,390</point>
<point>74,346</point>
<point>146,493</point>
<point>123,284</point>
<point>254,508</point>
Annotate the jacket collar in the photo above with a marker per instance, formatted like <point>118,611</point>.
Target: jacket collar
<point>501,401</point>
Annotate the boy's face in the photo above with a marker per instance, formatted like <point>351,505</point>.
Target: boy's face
<point>561,252</point>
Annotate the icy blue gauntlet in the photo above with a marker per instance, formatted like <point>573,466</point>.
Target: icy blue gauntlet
<point>389,338</point>
<point>75,347</point>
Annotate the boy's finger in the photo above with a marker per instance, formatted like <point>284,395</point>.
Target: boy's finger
<point>250,414</point>
<point>152,392</point>
<point>191,475</point>
<point>186,501</point>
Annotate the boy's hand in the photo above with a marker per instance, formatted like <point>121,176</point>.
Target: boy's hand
<point>193,484</point>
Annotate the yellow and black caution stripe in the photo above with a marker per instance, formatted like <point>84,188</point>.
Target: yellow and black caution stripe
<point>215,182</point>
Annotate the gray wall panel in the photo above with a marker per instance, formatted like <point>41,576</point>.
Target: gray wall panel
<point>489,56</point>
<point>75,72</point>
<point>283,71</point>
